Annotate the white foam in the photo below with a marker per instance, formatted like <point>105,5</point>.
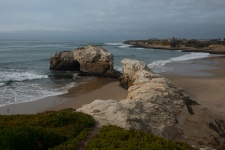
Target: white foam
<point>21,92</point>
<point>191,56</point>
<point>158,63</point>
<point>2,84</point>
<point>19,76</point>
<point>113,44</point>
<point>124,46</point>
<point>120,45</point>
<point>118,69</point>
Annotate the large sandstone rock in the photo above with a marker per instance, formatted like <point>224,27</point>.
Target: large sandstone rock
<point>156,105</point>
<point>90,59</point>
<point>64,61</point>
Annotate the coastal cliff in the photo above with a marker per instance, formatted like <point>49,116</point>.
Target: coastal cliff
<point>153,104</point>
<point>156,105</point>
<point>213,47</point>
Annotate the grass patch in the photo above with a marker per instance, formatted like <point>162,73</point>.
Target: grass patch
<point>112,137</point>
<point>57,130</point>
<point>66,129</point>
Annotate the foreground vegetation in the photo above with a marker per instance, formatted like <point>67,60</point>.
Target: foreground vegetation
<point>112,137</point>
<point>67,129</point>
<point>60,130</point>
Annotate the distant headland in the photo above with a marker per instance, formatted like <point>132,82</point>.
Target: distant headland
<point>213,46</point>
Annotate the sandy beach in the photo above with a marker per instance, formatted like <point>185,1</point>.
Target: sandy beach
<point>84,93</point>
<point>203,80</point>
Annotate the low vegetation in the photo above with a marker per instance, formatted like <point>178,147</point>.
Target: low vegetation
<point>112,137</point>
<point>66,129</point>
<point>58,130</point>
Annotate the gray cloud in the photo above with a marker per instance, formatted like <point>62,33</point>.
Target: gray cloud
<point>116,19</point>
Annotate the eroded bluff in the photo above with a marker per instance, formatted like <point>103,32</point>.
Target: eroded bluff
<point>156,105</point>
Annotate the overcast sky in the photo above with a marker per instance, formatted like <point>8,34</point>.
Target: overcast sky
<point>111,19</point>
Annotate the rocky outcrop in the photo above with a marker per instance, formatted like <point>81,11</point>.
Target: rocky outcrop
<point>91,60</point>
<point>156,105</point>
<point>64,61</point>
<point>217,47</point>
<point>129,68</point>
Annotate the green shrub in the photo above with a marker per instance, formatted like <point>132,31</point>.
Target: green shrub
<point>73,143</point>
<point>44,130</point>
<point>196,44</point>
<point>112,137</point>
<point>32,138</point>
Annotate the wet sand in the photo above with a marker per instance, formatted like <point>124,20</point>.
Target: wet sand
<point>84,93</point>
<point>204,83</point>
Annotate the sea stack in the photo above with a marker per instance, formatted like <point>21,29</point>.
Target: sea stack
<point>89,60</point>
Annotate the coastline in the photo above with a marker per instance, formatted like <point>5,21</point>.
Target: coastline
<point>211,50</point>
<point>205,83</point>
<point>202,79</point>
<point>99,88</point>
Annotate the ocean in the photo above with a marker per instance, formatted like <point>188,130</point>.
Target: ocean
<point>25,74</point>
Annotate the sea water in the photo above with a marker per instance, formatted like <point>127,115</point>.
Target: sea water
<point>25,74</point>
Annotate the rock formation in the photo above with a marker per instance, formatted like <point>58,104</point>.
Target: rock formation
<point>156,105</point>
<point>129,68</point>
<point>91,59</point>
<point>64,61</point>
<point>217,47</point>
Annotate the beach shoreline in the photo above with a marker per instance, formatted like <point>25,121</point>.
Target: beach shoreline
<point>204,84</point>
<point>74,98</point>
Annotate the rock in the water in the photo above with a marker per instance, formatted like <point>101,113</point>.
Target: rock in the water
<point>90,59</point>
<point>156,105</point>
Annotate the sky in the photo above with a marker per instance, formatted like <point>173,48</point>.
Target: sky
<point>114,20</point>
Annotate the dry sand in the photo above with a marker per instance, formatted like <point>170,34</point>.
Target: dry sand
<point>109,91</point>
<point>84,93</point>
<point>206,85</point>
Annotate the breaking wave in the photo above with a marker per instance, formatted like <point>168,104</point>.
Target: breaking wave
<point>161,63</point>
<point>7,77</point>
<point>113,44</point>
<point>120,45</point>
